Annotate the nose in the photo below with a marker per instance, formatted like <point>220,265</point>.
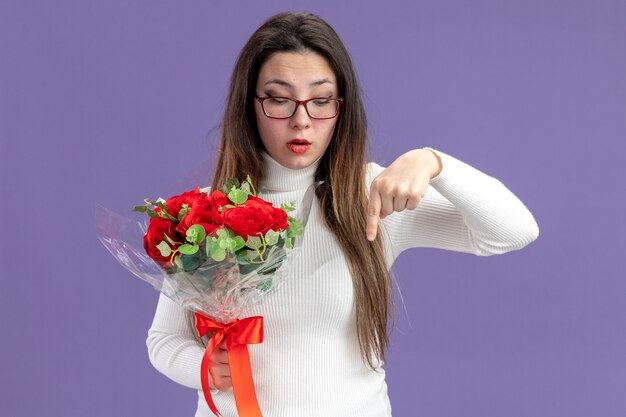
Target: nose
<point>301,118</point>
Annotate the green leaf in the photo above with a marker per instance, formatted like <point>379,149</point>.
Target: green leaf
<point>222,233</point>
<point>188,249</point>
<point>196,234</point>
<point>252,255</point>
<point>164,248</point>
<point>241,257</point>
<point>230,184</point>
<point>288,207</point>
<point>238,196</point>
<point>178,262</point>
<point>210,243</point>
<point>184,210</point>
<point>271,237</point>
<point>169,239</point>
<point>239,243</point>
<point>246,187</point>
<point>289,242</point>
<point>140,209</point>
<point>152,214</point>
<point>217,253</point>
<point>224,242</point>
<point>192,262</point>
<point>253,242</point>
<point>163,212</point>
<point>231,243</point>
<point>295,226</point>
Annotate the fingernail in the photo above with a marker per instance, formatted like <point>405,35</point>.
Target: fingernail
<point>370,236</point>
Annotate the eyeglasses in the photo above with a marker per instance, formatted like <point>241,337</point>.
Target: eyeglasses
<point>285,107</point>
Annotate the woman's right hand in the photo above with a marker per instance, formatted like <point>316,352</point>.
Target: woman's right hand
<point>219,368</point>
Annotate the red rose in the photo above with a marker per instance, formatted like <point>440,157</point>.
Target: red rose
<point>219,199</point>
<point>174,204</point>
<point>205,212</point>
<point>254,216</point>
<point>157,229</point>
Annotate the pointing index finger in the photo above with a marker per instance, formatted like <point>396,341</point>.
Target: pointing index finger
<point>373,214</point>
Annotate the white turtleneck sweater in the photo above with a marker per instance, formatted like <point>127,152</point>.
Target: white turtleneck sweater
<point>309,364</point>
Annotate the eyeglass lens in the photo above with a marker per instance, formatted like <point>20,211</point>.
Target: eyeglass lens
<point>284,108</point>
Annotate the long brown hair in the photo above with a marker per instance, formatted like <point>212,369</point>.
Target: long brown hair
<point>342,167</point>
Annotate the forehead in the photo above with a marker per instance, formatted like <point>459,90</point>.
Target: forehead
<point>298,69</point>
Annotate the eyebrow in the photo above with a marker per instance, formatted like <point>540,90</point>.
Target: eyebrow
<point>286,84</point>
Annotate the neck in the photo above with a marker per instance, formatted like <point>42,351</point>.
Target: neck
<point>280,178</point>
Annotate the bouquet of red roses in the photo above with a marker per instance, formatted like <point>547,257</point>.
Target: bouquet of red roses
<point>215,254</point>
<point>220,250</point>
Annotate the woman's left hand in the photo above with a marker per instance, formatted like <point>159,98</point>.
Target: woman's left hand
<point>401,186</point>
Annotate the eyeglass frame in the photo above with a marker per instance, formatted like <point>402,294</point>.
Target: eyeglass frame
<point>300,102</point>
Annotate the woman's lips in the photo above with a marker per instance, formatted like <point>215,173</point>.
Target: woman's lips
<point>298,146</point>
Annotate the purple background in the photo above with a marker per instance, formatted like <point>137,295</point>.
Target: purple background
<point>114,101</point>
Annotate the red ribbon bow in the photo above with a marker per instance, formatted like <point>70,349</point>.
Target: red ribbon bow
<point>238,335</point>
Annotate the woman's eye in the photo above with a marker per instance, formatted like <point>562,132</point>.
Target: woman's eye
<point>278,101</point>
<point>321,103</point>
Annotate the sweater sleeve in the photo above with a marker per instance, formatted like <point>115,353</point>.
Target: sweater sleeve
<point>463,210</point>
<point>172,348</point>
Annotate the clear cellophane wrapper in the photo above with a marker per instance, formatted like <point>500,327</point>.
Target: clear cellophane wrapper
<point>219,289</point>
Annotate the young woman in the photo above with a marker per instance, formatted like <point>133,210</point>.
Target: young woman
<point>294,117</point>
